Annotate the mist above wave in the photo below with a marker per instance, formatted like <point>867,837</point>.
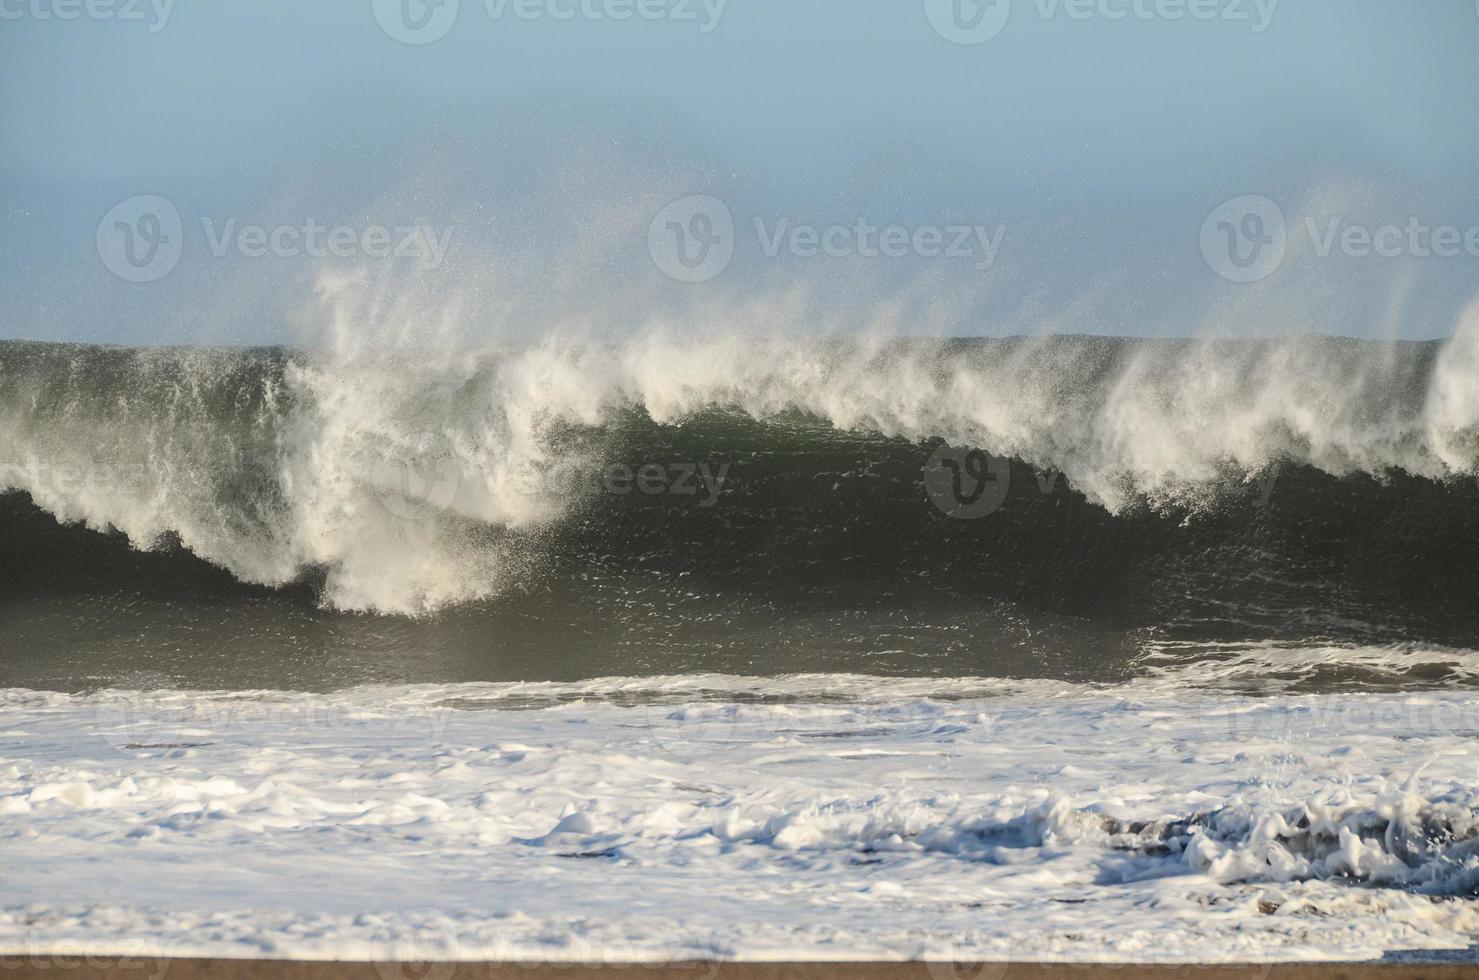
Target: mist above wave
<point>413,468</point>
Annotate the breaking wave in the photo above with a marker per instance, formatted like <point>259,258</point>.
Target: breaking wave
<point>406,479</point>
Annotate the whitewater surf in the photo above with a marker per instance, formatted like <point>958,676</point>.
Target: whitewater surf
<point>965,649</point>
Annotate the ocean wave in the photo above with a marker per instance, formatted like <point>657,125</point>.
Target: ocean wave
<point>414,479</point>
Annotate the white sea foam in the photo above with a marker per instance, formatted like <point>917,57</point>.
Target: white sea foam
<point>387,389</point>
<point>814,816</point>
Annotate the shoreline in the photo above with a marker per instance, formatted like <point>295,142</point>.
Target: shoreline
<point>92,965</point>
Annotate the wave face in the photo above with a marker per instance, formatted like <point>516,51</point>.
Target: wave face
<point>762,496</point>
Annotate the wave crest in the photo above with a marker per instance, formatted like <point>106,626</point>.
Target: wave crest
<point>417,476</point>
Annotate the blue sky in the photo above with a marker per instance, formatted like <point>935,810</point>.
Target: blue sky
<point>1097,135</point>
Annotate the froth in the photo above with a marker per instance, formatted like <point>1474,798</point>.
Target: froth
<point>306,464</point>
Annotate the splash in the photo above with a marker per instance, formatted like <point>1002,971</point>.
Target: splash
<point>414,469</point>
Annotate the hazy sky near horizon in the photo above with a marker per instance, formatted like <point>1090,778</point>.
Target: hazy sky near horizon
<point>1090,140</point>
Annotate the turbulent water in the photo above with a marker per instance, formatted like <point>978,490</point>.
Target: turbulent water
<point>1079,508</point>
<point>968,649</point>
<point>791,818</point>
